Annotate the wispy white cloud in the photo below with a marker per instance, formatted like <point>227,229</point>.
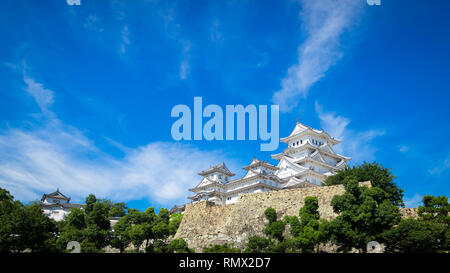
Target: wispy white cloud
<point>324,21</point>
<point>440,168</point>
<point>73,2</point>
<point>215,32</point>
<point>125,39</point>
<point>185,67</point>
<point>38,160</point>
<point>92,23</point>
<point>44,97</point>
<point>358,145</point>
<point>413,202</point>
<point>404,149</point>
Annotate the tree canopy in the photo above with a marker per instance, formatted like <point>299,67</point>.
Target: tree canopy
<point>363,215</point>
<point>24,227</point>
<point>378,175</point>
<point>429,233</point>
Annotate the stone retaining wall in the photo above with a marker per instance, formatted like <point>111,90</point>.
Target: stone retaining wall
<point>205,223</point>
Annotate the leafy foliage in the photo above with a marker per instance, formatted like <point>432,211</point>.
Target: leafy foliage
<point>24,227</point>
<point>379,177</point>
<point>257,244</point>
<point>415,236</point>
<point>90,201</point>
<point>364,214</point>
<point>90,227</point>
<point>178,246</point>
<point>121,236</point>
<point>174,222</point>
<point>435,209</point>
<point>429,233</point>
<point>274,229</point>
<point>27,228</point>
<point>308,232</point>
<point>271,215</point>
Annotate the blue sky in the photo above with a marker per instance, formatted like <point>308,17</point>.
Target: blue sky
<point>86,90</point>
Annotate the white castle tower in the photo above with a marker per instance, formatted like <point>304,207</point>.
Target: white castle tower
<point>307,161</point>
<point>217,187</point>
<point>309,157</point>
<point>211,187</point>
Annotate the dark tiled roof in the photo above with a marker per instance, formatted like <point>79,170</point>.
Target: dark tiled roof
<point>256,162</point>
<point>56,195</point>
<point>63,205</point>
<point>218,168</point>
<point>177,209</point>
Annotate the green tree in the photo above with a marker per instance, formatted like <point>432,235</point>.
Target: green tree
<point>37,231</point>
<point>309,212</point>
<point>415,236</point>
<point>98,216</point>
<point>160,229</point>
<point>121,237</point>
<point>137,235</point>
<point>174,222</point>
<point>435,209</point>
<point>69,233</point>
<point>257,244</point>
<point>379,177</point>
<point>178,246</point>
<point>96,238</point>
<point>90,227</point>
<point>429,233</point>
<point>24,227</point>
<point>150,215</point>
<point>88,246</point>
<point>9,219</point>
<point>90,201</point>
<point>147,227</point>
<point>158,246</point>
<point>307,233</point>
<point>76,219</point>
<point>117,209</point>
<point>164,215</point>
<point>294,225</point>
<point>284,246</point>
<point>271,215</point>
<point>273,229</point>
<point>364,214</point>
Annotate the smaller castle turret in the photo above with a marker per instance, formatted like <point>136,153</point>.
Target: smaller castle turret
<point>56,205</point>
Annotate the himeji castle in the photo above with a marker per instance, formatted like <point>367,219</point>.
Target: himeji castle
<point>306,162</point>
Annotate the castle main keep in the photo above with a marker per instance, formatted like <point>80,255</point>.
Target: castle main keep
<point>307,161</point>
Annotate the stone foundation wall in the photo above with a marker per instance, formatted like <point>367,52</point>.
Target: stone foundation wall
<point>205,223</point>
